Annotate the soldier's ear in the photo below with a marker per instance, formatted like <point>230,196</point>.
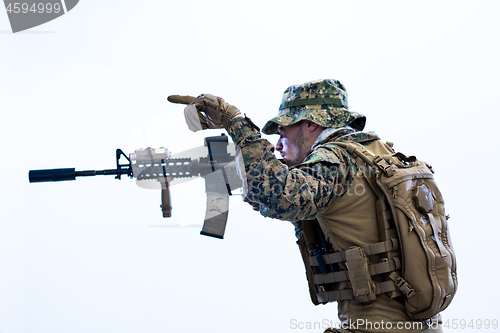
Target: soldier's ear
<point>312,126</point>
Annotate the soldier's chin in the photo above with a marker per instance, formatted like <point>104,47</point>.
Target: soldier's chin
<point>288,162</point>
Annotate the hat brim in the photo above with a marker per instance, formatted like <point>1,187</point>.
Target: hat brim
<point>323,115</point>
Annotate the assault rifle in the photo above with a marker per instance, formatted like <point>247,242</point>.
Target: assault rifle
<point>218,169</point>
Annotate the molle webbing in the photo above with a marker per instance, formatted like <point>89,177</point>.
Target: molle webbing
<point>359,274</point>
<point>371,249</point>
<point>374,269</point>
<point>347,294</point>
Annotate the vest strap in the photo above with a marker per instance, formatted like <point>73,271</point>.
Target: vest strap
<point>372,249</point>
<point>343,275</point>
<point>347,294</point>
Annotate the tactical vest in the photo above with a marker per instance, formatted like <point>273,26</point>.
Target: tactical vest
<point>392,238</point>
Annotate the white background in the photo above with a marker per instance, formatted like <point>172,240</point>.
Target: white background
<point>95,255</point>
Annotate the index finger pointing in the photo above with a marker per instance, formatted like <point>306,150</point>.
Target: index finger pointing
<point>178,99</point>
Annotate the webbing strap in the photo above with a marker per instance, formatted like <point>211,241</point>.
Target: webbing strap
<point>358,151</point>
<point>331,277</point>
<point>332,258</point>
<point>367,156</point>
<point>381,247</point>
<point>403,157</point>
<point>385,287</point>
<point>385,266</point>
<point>347,294</point>
<point>375,269</point>
<point>371,249</point>
<point>362,156</point>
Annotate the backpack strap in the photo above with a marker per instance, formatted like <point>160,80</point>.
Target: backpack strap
<point>375,161</point>
<point>371,166</point>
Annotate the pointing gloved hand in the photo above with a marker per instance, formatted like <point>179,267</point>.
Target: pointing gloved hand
<point>206,111</point>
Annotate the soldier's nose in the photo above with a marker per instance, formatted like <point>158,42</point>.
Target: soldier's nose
<point>279,146</point>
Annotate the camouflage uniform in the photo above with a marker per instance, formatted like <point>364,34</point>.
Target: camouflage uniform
<point>316,187</point>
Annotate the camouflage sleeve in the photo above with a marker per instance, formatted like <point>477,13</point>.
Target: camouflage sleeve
<point>289,194</point>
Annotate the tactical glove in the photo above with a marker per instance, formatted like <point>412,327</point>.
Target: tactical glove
<point>206,111</point>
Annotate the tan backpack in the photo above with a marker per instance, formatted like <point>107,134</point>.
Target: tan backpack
<point>419,258</point>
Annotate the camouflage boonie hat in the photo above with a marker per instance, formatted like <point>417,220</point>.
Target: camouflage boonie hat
<point>323,102</point>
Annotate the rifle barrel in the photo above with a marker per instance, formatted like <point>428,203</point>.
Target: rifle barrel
<point>57,175</point>
<point>87,173</point>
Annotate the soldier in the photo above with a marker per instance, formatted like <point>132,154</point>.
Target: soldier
<point>314,180</point>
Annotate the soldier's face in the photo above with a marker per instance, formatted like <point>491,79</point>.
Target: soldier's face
<point>292,144</point>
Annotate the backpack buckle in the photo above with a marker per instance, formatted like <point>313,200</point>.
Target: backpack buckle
<point>402,284</point>
<point>383,165</point>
